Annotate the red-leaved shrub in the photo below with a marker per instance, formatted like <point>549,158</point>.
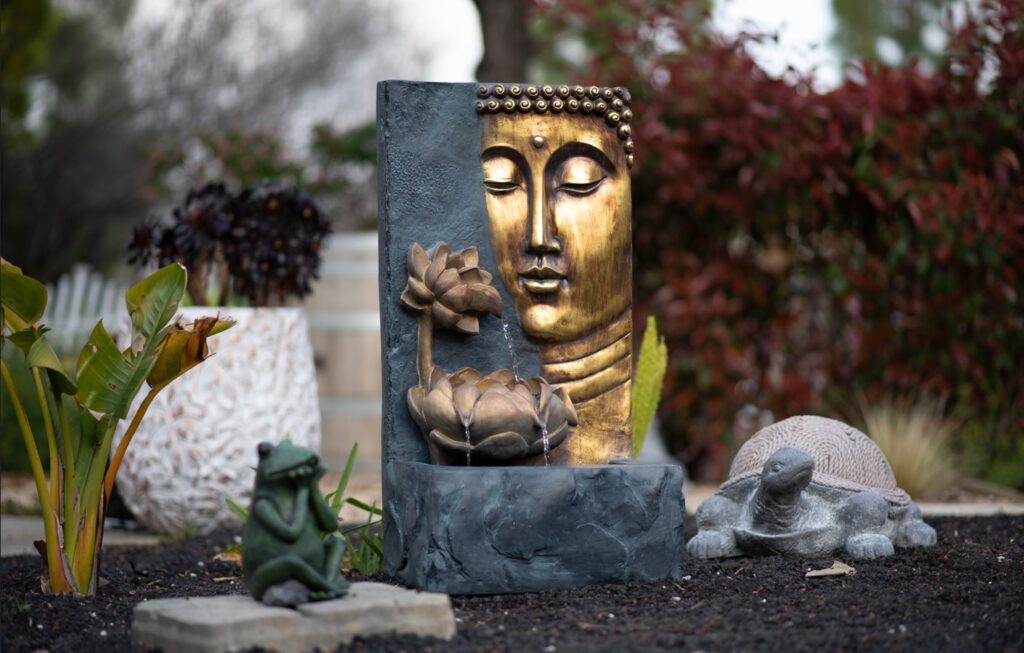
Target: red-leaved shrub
<point>798,246</point>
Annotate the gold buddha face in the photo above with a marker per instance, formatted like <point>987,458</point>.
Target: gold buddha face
<point>558,201</point>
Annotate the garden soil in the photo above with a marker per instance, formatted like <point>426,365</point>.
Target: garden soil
<point>965,594</point>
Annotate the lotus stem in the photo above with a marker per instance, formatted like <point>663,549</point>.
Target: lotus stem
<point>424,347</point>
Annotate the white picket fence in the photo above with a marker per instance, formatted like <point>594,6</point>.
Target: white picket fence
<point>79,300</point>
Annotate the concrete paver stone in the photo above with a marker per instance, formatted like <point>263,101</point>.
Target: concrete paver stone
<point>221,624</point>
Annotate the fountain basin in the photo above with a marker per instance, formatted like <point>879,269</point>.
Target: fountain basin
<point>490,530</point>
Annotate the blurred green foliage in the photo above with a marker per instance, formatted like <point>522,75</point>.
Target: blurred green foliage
<point>991,445</point>
<point>862,24</point>
<point>13,455</point>
<point>71,180</point>
<point>26,29</point>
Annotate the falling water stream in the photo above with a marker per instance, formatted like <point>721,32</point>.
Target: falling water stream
<point>511,349</point>
<point>547,443</point>
<point>515,373</point>
<point>468,447</point>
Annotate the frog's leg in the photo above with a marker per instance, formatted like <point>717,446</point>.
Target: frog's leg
<point>292,567</point>
<point>335,549</point>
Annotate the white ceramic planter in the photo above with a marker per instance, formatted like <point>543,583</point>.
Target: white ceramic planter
<point>196,446</point>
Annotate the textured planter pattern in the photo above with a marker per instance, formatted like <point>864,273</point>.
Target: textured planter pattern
<point>196,446</point>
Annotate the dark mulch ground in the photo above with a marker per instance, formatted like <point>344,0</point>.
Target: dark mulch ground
<point>966,594</point>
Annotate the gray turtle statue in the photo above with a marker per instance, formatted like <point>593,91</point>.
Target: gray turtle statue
<point>808,487</point>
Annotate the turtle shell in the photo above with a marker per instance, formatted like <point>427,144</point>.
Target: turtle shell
<point>844,457</point>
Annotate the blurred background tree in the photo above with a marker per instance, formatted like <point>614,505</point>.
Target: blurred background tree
<point>105,93</point>
<point>890,31</point>
<point>26,29</point>
<point>507,43</point>
<point>84,165</point>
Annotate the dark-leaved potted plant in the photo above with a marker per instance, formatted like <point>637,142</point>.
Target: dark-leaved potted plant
<point>249,254</point>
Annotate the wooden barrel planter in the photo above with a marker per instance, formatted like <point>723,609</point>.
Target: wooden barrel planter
<point>344,322</point>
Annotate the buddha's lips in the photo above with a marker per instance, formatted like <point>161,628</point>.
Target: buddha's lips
<point>541,279</point>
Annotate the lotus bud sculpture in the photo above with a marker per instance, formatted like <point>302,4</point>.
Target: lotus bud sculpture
<point>498,417</point>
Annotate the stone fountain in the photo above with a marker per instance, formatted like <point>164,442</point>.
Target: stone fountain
<point>506,329</point>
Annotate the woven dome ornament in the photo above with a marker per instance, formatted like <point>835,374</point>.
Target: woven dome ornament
<point>809,486</point>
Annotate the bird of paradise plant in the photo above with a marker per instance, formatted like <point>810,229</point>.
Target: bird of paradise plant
<point>81,408</point>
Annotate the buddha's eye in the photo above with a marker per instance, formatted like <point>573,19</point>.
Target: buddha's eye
<point>501,176</point>
<point>580,176</point>
<point>501,187</point>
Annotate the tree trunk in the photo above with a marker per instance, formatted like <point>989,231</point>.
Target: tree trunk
<point>507,44</point>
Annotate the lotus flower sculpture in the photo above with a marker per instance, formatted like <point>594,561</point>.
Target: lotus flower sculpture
<point>498,417</point>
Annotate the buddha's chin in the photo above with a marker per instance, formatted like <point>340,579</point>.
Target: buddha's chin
<point>547,321</point>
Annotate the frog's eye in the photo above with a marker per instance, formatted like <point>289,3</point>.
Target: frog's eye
<point>264,449</point>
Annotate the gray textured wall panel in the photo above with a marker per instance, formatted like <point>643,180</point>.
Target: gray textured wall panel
<point>488,530</point>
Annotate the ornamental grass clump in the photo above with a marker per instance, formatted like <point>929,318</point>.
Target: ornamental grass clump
<point>915,438</point>
<point>259,246</point>
<point>81,408</point>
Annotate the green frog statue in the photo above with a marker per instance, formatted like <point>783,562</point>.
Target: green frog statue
<point>291,552</point>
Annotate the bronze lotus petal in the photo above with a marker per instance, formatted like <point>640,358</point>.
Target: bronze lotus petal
<point>451,286</point>
<point>496,416</point>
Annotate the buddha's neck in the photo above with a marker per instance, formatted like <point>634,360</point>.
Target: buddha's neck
<point>593,364</point>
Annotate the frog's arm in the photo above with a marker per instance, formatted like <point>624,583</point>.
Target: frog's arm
<point>288,530</point>
<point>325,517</point>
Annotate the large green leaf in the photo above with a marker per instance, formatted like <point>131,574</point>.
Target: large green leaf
<point>107,379</point>
<point>87,432</point>
<point>22,297</point>
<point>153,301</point>
<point>27,337</point>
<point>40,353</point>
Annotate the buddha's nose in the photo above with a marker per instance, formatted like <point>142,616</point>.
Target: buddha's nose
<point>541,236</point>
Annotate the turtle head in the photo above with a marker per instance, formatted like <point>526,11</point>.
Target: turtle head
<point>787,472</point>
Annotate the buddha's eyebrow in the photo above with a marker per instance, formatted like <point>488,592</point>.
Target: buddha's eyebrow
<point>578,148</point>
